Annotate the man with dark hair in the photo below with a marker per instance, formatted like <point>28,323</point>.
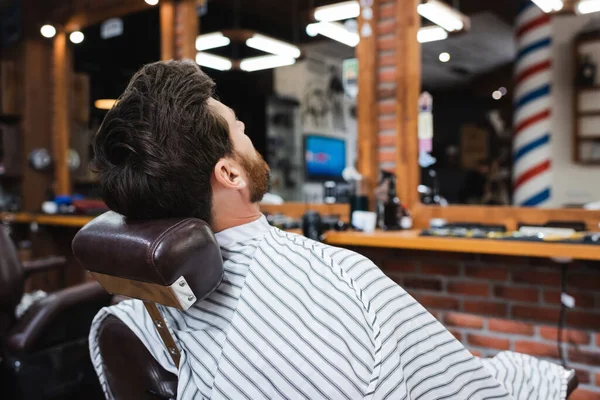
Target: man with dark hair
<point>292,318</point>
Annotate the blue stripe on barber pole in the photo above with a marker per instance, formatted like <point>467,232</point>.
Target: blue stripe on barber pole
<point>533,94</point>
<point>537,199</point>
<point>540,44</point>
<point>521,152</point>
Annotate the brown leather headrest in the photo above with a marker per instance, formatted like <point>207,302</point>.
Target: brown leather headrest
<point>139,258</point>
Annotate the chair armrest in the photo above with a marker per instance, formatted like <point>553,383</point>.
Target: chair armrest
<point>43,264</point>
<point>28,329</point>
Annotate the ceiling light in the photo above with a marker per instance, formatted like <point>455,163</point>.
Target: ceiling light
<point>443,15</point>
<point>215,62</point>
<point>444,57</point>
<point>211,41</point>
<point>273,46</point>
<point>335,31</point>
<point>105,104</point>
<point>265,62</point>
<point>431,34</point>
<point>76,37</point>
<point>549,5</point>
<point>337,12</point>
<point>588,6</point>
<point>48,31</point>
<point>497,95</point>
<point>152,2</point>
<point>503,91</point>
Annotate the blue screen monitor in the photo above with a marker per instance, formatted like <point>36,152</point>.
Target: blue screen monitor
<point>325,157</point>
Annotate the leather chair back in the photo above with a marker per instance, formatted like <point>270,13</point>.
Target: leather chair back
<point>12,280</point>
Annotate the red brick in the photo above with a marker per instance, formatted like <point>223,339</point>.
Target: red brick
<point>387,156</point>
<point>488,342</point>
<point>506,326</point>
<point>475,353</point>
<point>387,59</point>
<point>516,293</point>
<point>582,394</point>
<point>568,335</point>
<point>535,313</point>
<point>458,335</point>
<point>583,376</point>
<point>582,300</point>
<point>495,273</point>
<point>463,320</point>
<point>386,92</point>
<point>486,307</point>
<point>548,278</point>
<point>469,288</point>
<point>537,349</point>
<point>386,27</point>
<point>441,302</point>
<point>597,379</point>
<point>387,107</point>
<point>584,281</point>
<point>387,11</point>
<point>387,140</point>
<point>598,342</point>
<point>440,269</point>
<point>499,259</point>
<point>423,283</point>
<point>396,265</point>
<point>584,357</point>
<point>387,124</point>
<point>387,42</point>
<point>583,320</point>
<point>387,74</point>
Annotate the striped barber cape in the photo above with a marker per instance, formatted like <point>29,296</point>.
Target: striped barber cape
<point>296,319</point>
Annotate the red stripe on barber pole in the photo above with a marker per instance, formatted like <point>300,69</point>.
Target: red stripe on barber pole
<point>534,23</point>
<point>532,120</point>
<point>534,69</point>
<point>531,173</point>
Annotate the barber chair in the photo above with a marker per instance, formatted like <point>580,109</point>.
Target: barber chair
<point>44,353</point>
<point>172,262</point>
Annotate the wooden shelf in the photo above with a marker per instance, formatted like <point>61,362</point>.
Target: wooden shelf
<point>411,240</point>
<point>587,88</point>
<point>593,113</point>
<point>589,138</point>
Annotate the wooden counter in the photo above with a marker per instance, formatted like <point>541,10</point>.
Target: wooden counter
<point>411,240</point>
<point>74,221</point>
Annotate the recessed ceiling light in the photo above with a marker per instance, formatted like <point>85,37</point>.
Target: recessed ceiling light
<point>48,31</point>
<point>497,95</point>
<point>444,57</point>
<point>152,2</point>
<point>76,37</point>
<point>503,91</point>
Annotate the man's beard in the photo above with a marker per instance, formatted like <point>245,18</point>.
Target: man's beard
<point>258,173</point>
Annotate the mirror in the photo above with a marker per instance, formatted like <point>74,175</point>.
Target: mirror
<point>508,117</point>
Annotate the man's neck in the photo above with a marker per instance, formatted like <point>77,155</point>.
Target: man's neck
<point>225,219</point>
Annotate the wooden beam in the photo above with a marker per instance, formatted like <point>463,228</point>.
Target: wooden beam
<point>167,30</point>
<point>366,53</point>
<point>187,29</point>
<point>61,83</point>
<point>408,88</point>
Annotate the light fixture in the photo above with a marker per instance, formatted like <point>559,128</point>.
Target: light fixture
<point>444,57</point>
<point>214,62</point>
<point>48,31</point>
<point>151,2</point>
<point>497,95</point>
<point>76,37</point>
<point>548,6</point>
<point>273,46</point>
<point>337,12</point>
<point>265,62</point>
<point>443,15</point>
<point>431,34</point>
<point>211,41</point>
<point>335,31</point>
<point>105,104</point>
<point>588,6</point>
<point>503,91</point>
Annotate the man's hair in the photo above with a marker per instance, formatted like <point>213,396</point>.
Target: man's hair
<point>157,147</point>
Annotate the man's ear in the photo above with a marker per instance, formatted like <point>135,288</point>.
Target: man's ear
<point>228,174</point>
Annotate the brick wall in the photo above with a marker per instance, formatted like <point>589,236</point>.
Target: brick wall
<point>493,303</point>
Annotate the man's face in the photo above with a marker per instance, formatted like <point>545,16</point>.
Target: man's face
<point>254,166</point>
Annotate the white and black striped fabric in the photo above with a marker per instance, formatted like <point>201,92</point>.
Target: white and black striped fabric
<point>296,319</point>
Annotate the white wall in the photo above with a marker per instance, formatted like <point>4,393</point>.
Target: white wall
<point>571,183</point>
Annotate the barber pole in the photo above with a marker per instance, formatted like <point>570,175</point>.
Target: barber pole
<point>533,108</point>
